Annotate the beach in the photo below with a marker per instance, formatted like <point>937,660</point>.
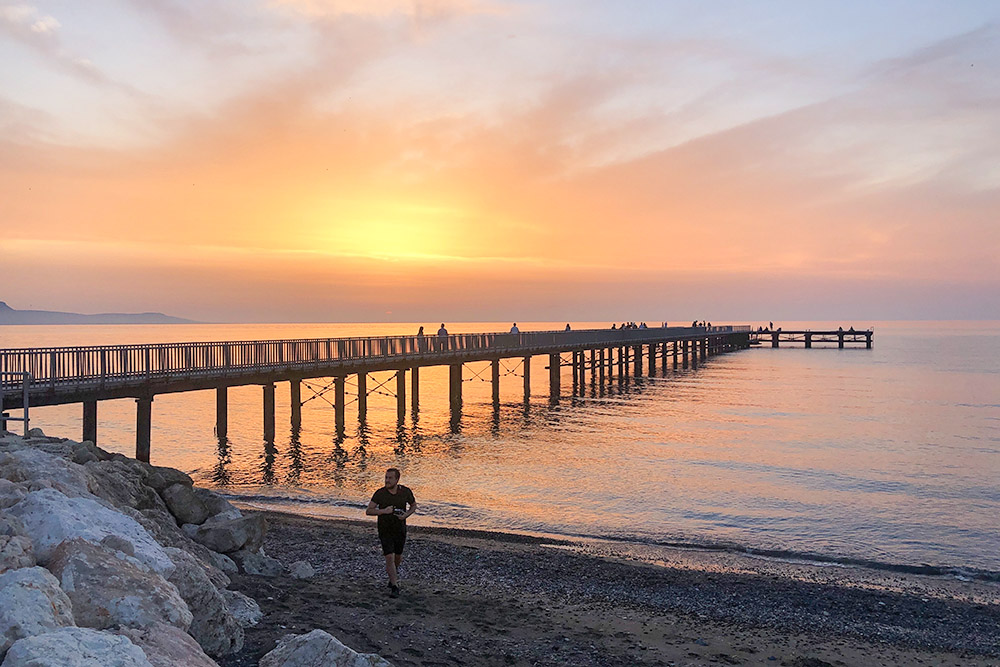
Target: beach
<point>489,598</point>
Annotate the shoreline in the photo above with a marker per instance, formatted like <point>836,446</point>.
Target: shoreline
<point>485,597</point>
<point>638,543</point>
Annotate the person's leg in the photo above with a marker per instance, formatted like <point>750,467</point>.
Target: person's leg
<point>390,568</point>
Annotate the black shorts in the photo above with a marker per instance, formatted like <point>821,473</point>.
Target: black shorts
<point>392,539</point>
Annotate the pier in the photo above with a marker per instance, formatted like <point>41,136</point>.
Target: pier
<point>807,337</point>
<point>90,374</point>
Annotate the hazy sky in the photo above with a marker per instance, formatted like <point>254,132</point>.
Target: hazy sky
<point>352,160</point>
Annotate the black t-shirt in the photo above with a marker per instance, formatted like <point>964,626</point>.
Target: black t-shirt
<point>400,500</point>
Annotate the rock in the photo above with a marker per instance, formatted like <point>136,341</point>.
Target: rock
<point>300,569</point>
<point>224,563</point>
<point>167,646</point>
<point>190,529</point>
<point>184,504</point>
<point>228,535</point>
<point>52,518</point>
<point>75,647</point>
<point>109,588</point>
<point>38,469</point>
<point>213,626</point>
<point>86,451</point>
<point>216,504</point>
<point>160,478</point>
<point>11,525</point>
<point>123,484</point>
<point>115,543</point>
<point>11,493</point>
<point>257,562</point>
<point>36,433</point>
<point>15,552</point>
<point>162,526</point>
<point>318,648</point>
<point>31,603</point>
<point>244,609</point>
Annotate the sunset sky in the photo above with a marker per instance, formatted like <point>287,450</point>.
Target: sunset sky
<point>368,160</point>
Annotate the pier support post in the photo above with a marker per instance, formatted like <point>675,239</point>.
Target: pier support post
<point>415,390</point>
<point>600,367</point>
<point>621,364</point>
<point>455,387</point>
<point>295,401</point>
<point>676,345</point>
<point>90,421</point>
<point>663,358</point>
<point>593,365</point>
<point>809,340</point>
<point>575,366</point>
<point>495,381</point>
<point>868,340</point>
<point>840,339</point>
<point>637,361</point>
<point>774,339</point>
<point>652,360</point>
<point>362,396</point>
<point>687,353</point>
<point>143,426</point>
<point>703,348</point>
<point>221,411</point>
<point>526,367</point>
<point>338,405</point>
<point>269,412</point>
<point>401,394</point>
<point>554,369</point>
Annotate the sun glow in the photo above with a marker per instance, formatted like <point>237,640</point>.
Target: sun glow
<point>394,231</point>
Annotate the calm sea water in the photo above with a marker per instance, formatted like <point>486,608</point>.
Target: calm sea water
<point>889,455</point>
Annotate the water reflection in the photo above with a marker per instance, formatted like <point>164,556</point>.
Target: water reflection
<point>296,461</point>
<point>220,472</point>
<point>267,476</point>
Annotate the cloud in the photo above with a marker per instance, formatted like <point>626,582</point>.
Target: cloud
<point>384,8</point>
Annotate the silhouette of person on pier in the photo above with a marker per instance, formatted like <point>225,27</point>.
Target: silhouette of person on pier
<point>442,331</point>
<point>514,328</point>
<point>567,326</point>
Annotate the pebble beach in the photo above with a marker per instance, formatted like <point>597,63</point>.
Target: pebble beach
<point>482,598</point>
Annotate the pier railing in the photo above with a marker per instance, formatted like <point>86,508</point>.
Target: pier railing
<point>59,366</point>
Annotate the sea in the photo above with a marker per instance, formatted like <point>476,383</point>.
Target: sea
<point>886,457</point>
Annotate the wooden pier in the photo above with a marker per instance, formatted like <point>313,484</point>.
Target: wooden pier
<point>841,337</point>
<point>88,375</point>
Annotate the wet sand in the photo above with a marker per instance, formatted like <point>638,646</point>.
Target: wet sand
<point>479,598</point>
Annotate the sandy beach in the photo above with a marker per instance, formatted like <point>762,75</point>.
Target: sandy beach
<point>478,598</point>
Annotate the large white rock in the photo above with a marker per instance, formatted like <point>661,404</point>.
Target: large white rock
<point>11,493</point>
<point>216,504</point>
<point>51,518</point>
<point>244,609</point>
<point>123,484</point>
<point>75,647</point>
<point>164,529</point>
<point>40,469</point>
<point>31,603</point>
<point>318,649</point>
<point>109,588</point>
<point>213,625</point>
<point>167,646</point>
<point>15,552</point>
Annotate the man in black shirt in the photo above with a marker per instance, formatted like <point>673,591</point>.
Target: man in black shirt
<point>392,504</point>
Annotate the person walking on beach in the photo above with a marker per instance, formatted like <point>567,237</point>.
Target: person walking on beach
<point>392,504</point>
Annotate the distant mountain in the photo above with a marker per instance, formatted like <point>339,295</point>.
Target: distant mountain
<point>10,316</point>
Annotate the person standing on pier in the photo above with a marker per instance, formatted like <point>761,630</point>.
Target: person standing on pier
<point>392,504</point>
<point>442,331</point>
<point>514,328</point>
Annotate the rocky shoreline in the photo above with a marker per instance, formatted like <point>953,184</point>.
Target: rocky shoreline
<point>107,561</point>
